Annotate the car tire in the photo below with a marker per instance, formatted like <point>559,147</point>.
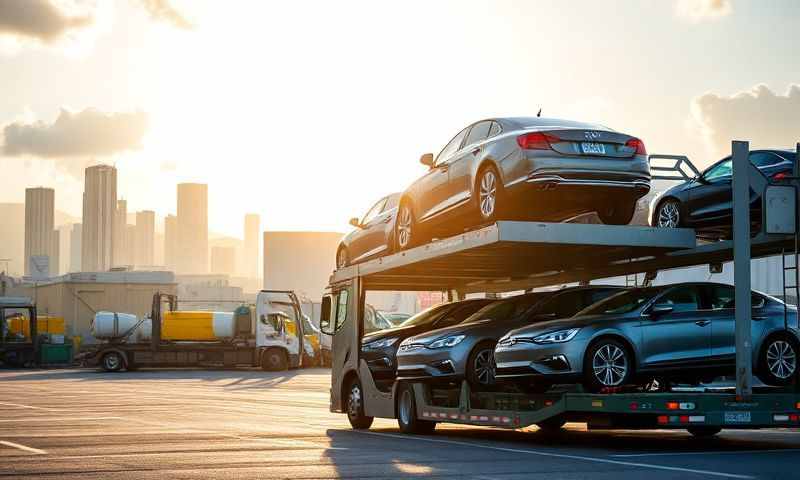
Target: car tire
<point>607,363</point>
<point>342,258</point>
<point>112,362</point>
<point>407,413</point>
<point>777,363</point>
<point>480,368</point>
<point>704,431</point>
<point>552,425</point>
<point>355,406</point>
<point>488,195</point>
<point>406,233</point>
<point>617,215</point>
<point>668,214</point>
<point>274,360</point>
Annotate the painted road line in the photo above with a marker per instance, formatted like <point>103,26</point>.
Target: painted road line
<point>562,455</point>
<point>732,452</point>
<point>23,447</point>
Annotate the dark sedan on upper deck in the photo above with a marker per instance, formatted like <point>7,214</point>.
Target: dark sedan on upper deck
<point>527,168</point>
<point>705,203</point>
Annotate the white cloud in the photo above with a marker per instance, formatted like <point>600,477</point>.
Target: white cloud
<point>760,115</point>
<point>701,10</point>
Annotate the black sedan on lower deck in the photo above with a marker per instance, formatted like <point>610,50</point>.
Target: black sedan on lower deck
<point>705,203</point>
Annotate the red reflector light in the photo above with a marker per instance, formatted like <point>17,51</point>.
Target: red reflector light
<point>637,145</point>
<point>663,419</point>
<point>536,141</point>
<point>684,418</point>
<point>794,417</point>
<point>673,406</point>
<point>781,175</point>
<point>634,406</point>
<point>797,405</point>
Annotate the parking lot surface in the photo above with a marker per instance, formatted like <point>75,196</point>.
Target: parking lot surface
<point>250,424</point>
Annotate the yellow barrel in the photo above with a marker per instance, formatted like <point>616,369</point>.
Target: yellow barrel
<point>197,326</point>
<point>45,324</point>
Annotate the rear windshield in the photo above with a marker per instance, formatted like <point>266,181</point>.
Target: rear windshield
<point>536,122</point>
<point>508,308</point>
<point>789,156</point>
<point>623,303</point>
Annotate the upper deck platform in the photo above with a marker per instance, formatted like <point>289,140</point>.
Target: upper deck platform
<point>510,256</point>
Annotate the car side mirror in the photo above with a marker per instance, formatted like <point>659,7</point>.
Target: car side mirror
<point>427,160</point>
<point>325,315</point>
<point>354,222</point>
<point>660,309</point>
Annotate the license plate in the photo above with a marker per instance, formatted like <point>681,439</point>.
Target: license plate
<point>737,417</point>
<point>593,148</point>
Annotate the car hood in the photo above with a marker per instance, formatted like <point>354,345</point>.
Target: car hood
<point>561,324</point>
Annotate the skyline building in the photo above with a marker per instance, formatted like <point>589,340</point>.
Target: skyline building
<point>99,208</point>
<point>145,234</point>
<point>250,264</point>
<point>120,248</point>
<point>41,239</point>
<point>171,242</point>
<point>75,247</point>
<point>223,260</point>
<point>193,253</point>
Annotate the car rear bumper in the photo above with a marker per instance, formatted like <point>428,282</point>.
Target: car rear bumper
<point>636,184</point>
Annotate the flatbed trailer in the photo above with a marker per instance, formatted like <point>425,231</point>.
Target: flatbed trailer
<point>512,256</point>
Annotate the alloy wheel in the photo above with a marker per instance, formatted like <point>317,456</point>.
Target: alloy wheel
<point>406,406</point>
<point>354,402</point>
<point>488,193</point>
<point>484,367</point>
<point>669,215</point>
<point>781,359</point>
<point>112,362</point>
<point>610,365</point>
<point>404,222</point>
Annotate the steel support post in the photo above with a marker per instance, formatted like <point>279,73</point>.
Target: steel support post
<point>741,266</point>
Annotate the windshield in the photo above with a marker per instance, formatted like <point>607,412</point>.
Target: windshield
<point>623,303</point>
<point>426,316</point>
<point>508,308</point>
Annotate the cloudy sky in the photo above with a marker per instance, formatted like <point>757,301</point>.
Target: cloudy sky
<point>306,112</point>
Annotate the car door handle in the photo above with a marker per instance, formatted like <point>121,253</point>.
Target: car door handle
<point>702,323</point>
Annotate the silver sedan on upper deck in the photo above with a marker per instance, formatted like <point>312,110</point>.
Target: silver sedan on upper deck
<point>529,168</point>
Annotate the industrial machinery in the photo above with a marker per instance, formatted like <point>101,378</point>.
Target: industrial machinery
<point>514,256</point>
<point>271,335</point>
<point>19,336</point>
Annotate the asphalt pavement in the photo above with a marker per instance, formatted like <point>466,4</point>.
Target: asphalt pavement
<point>166,424</point>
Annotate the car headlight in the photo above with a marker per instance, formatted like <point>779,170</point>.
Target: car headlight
<point>447,342</point>
<point>378,344</point>
<point>560,336</point>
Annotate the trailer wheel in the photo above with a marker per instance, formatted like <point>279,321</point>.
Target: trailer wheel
<point>112,362</point>
<point>407,413</point>
<point>704,431</point>
<point>274,360</point>
<point>355,406</point>
<point>552,425</point>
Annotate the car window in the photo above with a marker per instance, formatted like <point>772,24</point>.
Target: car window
<point>681,299</point>
<point>625,302</point>
<point>592,296</point>
<point>507,308</point>
<point>788,156</point>
<point>562,305</point>
<point>451,148</point>
<point>766,159</point>
<point>756,301</point>
<point>391,202</point>
<point>721,171</point>
<point>374,211</point>
<point>461,313</point>
<point>495,129</point>
<point>721,297</point>
<point>427,316</point>
<point>478,133</point>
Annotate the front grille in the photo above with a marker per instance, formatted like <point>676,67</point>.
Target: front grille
<point>515,371</point>
<point>416,372</point>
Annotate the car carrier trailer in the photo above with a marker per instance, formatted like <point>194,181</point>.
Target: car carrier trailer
<point>511,256</point>
<point>274,340</point>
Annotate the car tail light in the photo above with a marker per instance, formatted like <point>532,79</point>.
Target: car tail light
<point>781,175</point>
<point>537,141</point>
<point>637,145</point>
